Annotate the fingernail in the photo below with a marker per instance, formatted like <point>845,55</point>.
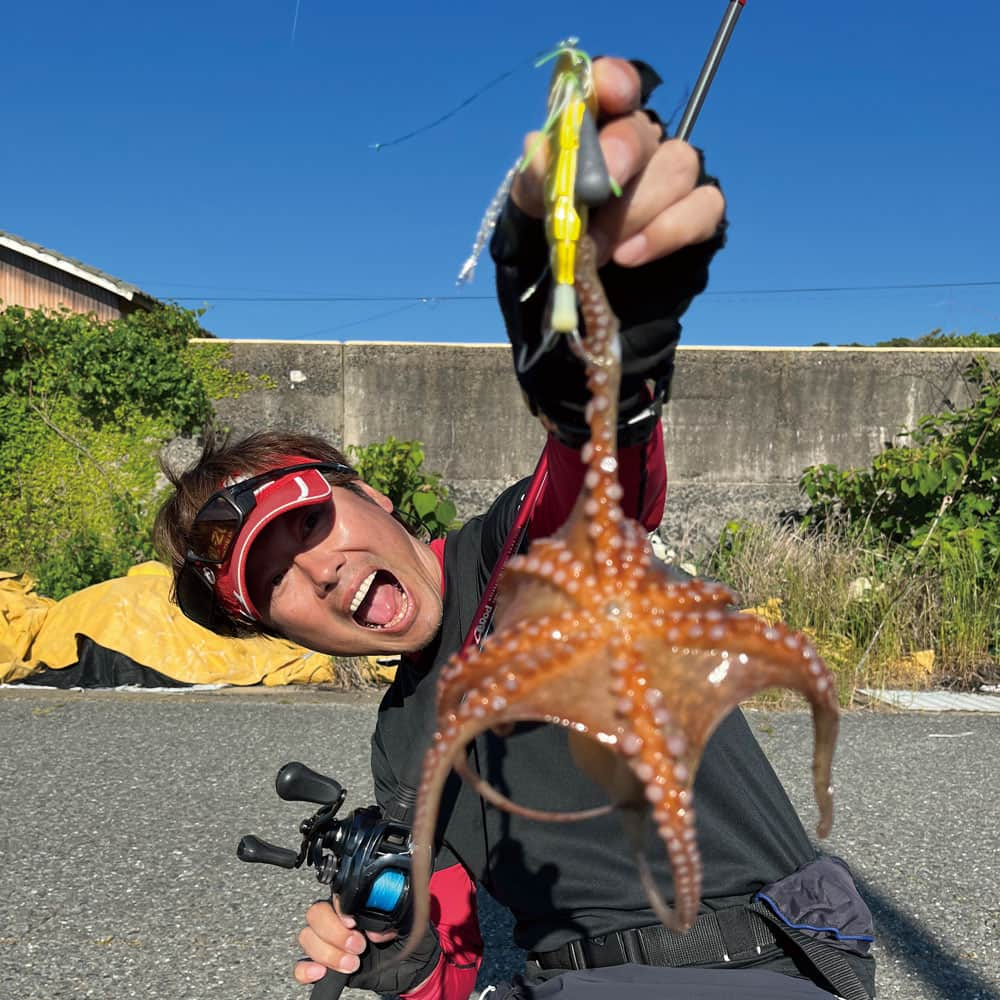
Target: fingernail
<point>349,963</point>
<point>356,943</point>
<point>347,921</point>
<point>314,972</point>
<point>632,251</point>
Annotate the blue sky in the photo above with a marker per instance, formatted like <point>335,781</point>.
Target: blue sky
<point>214,152</point>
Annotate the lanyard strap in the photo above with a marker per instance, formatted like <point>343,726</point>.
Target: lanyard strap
<point>487,604</point>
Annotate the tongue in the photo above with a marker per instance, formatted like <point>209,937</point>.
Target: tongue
<point>381,604</point>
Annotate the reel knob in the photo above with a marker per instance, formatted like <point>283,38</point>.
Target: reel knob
<point>258,851</point>
<point>297,783</point>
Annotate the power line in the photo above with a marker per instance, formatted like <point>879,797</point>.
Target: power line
<point>430,299</point>
<point>415,299</point>
<point>858,288</point>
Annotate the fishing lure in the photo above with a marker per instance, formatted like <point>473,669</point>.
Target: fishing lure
<point>576,177</point>
<point>576,180</point>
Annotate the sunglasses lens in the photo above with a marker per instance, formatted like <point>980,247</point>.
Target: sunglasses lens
<point>214,529</point>
<point>195,596</point>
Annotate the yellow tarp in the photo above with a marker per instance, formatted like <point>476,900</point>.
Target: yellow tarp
<point>135,616</point>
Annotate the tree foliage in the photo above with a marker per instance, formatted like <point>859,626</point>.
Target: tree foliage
<point>937,338</point>
<point>85,407</point>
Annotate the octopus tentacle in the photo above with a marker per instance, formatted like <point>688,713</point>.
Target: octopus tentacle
<point>449,743</point>
<point>658,754</point>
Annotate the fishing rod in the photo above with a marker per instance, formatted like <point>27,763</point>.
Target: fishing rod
<point>707,74</point>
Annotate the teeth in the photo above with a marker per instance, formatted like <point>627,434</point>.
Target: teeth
<point>403,608</point>
<point>362,592</point>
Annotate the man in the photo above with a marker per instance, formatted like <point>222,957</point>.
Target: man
<point>278,535</point>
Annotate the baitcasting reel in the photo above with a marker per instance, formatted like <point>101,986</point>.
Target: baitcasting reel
<point>368,861</point>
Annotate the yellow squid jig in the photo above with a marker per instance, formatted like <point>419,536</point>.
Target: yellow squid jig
<point>576,178</point>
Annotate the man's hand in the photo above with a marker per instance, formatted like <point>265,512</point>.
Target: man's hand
<point>655,244</point>
<point>331,940</point>
<point>662,207</point>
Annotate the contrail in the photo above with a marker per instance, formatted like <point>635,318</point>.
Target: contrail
<point>295,20</point>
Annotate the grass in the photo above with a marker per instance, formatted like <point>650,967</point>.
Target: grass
<point>878,615</point>
<point>355,673</point>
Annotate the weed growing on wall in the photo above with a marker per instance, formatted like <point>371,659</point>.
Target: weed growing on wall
<point>940,491</point>
<point>396,468</point>
<point>85,407</point>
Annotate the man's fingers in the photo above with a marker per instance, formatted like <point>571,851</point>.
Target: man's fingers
<point>322,952</point>
<point>308,972</point>
<point>527,190</point>
<point>660,209</point>
<point>616,82</point>
<point>669,176</point>
<point>328,942</point>
<point>628,145</point>
<point>329,922</point>
<point>692,220</point>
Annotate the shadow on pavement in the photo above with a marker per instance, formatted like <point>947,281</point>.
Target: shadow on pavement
<point>899,933</point>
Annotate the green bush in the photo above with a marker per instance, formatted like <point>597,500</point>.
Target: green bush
<point>85,407</point>
<point>939,491</point>
<point>395,468</point>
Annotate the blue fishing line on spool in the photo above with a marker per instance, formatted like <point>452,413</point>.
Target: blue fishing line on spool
<point>386,891</point>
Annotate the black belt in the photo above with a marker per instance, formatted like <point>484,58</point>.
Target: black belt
<point>731,935</point>
<point>717,937</point>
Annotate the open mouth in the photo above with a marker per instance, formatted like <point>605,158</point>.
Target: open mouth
<point>380,601</point>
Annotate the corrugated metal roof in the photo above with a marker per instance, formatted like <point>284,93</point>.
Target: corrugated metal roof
<point>75,267</point>
<point>935,701</point>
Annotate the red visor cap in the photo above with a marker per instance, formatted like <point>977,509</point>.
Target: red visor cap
<point>274,498</point>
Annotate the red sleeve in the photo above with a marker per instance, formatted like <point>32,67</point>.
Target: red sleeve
<point>565,476</point>
<point>453,912</point>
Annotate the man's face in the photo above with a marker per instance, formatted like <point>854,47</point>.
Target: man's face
<point>344,577</point>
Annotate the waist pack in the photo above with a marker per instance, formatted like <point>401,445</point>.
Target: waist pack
<point>822,902</point>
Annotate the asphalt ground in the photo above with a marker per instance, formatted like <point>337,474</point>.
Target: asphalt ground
<point>120,814</point>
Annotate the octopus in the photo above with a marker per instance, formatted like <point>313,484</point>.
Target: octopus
<point>596,635</point>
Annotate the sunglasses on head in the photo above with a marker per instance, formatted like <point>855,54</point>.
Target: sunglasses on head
<point>214,531</point>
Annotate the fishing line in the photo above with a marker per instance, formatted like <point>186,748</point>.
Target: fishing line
<point>462,104</point>
<point>367,319</point>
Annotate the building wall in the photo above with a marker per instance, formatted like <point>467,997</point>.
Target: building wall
<point>740,428</point>
<point>33,284</point>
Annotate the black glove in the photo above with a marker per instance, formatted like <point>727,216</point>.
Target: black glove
<point>649,302</point>
<point>380,972</point>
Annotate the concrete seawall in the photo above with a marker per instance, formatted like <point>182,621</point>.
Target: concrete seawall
<point>741,425</point>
